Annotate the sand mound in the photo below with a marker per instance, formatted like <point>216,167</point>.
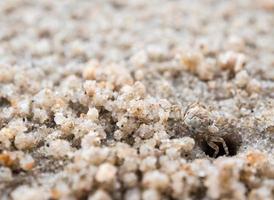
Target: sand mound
<point>137,99</point>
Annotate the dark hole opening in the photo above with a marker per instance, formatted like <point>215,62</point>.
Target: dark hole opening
<point>233,142</point>
<point>50,123</point>
<point>199,193</point>
<point>78,108</point>
<point>4,102</point>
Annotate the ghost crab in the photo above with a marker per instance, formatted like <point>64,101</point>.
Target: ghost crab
<point>202,128</point>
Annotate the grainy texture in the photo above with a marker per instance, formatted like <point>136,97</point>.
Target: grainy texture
<point>132,99</point>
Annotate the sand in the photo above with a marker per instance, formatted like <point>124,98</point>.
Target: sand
<point>116,99</point>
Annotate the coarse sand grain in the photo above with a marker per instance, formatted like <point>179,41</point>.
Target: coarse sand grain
<point>137,99</point>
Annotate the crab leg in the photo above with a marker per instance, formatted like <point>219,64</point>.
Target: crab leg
<point>221,140</point>
<point>215,147</point>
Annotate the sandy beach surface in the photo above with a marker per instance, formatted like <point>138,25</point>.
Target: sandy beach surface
<point>137,99</point>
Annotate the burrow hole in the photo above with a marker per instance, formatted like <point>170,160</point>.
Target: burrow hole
<point>233,142</point>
